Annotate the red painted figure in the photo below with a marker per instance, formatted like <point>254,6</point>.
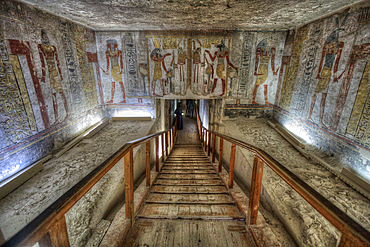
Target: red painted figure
<point>49,54</point>
<point>330,57</point>
<point>115,57</point>
<point>221,54</point>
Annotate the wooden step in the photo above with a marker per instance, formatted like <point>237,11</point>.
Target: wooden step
<point>181,233</point>
<point>186,167</point>
<point>189,176</point>
<point>188,171</point>
<point>189,189</point>
<point>191,182</point>
<point>209,199</point>
<point>189,211</point>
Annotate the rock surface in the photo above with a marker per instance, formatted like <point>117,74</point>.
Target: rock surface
<point>191,14</point>
<point>29,200</point>
<point>309,227</point>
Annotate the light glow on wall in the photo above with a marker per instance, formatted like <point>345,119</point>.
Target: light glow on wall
<point>299,131</point>
<point>132,113</point>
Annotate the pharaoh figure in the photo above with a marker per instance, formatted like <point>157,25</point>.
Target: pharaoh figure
<point>115,57</point>
<point>263,54</point>
<point>330,56</point>
<point>196,63</point>
<point>48,53</point>
<point>181,65</point>
<point>221,55</point>
<point>158,60</point>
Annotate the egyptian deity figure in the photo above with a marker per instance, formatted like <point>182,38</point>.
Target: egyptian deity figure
<point>264,53</point>
<point>330,57</point>
<point>48,53</point>
<point>181,62</point>
<point>114,58</point>
<point>196,64</point>
<point>221,55</point>
<point>158,60</point>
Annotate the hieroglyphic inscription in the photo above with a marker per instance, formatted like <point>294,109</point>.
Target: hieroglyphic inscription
<point>245,64</point>
<point>312,46</point>
<point>291,72</point>
<point>23,90</point>
<point>86,70</point>
<point>12,10</point>
<point>363,130</point>
<point>75,86</point>
<point>13,117</point>
<point>130,56</point>
<point>208,42</point>
<point>361,98</point>
<point>364,15</point>
<point>169,43</point>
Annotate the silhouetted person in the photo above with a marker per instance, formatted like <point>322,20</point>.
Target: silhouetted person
<point>191,108</point>
<point>178,113</point>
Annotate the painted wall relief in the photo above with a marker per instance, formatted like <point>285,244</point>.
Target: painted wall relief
<point>185,65</point>
<point>114,68</point>
<point>265,55</point>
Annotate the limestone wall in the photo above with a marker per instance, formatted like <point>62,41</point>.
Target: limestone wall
<point>50,84</point>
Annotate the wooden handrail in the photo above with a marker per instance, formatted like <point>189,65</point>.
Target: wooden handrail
<point>42,228</point>
<point>353,234</point>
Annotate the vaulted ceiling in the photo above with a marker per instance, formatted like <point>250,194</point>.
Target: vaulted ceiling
<point>192,14</point>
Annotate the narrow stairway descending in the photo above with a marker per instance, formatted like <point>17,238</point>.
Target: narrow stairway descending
<point>188,204</point>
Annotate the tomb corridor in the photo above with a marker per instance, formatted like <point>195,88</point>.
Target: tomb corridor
<point>184,123</point>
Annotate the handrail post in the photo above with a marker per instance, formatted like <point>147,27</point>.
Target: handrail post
<point>148,163</point>
<point>56,236</point>
<point>129,184</point>
<point>205,142</point>
<point>166,143</point>
<point>256,185</point>
<point>162,140</point>
<point>232,164</point>
<point>209,143</point>
<point>220,155</point>
<point>214,148</point>
<point>171,139</point>
<point>201,136</point>
<point>157,154</point>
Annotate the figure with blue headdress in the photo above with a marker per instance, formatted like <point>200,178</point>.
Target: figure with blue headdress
<point>330,57</point>
<point>115,57</point>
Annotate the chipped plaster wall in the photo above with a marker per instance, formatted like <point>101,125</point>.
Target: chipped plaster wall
<point>320,88</point>
<point>49,85</point>
<point>325,91</point>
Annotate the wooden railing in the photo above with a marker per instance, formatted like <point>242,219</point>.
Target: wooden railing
<point>353,234</point>
<point>50,228</point>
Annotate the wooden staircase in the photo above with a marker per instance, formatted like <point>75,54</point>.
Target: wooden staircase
<point>189,205</point>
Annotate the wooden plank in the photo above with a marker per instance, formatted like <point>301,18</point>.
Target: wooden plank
<point>189,189</point>
<point>129,184</point>
<point>162,142</point>
<point>189,176</point>
<point>157,154</point>
<point>162,211</point>
<point>189,198</point>
<point>168,167</point>
<point>232,164</point>
<point>148,163</point>
<point>188,182</point>
<point>58,234</point>
<point>255,194</point>
<point>220,155</point>
<point>188,171</point>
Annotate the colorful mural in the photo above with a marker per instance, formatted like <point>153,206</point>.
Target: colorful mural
<point>47,82</point>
